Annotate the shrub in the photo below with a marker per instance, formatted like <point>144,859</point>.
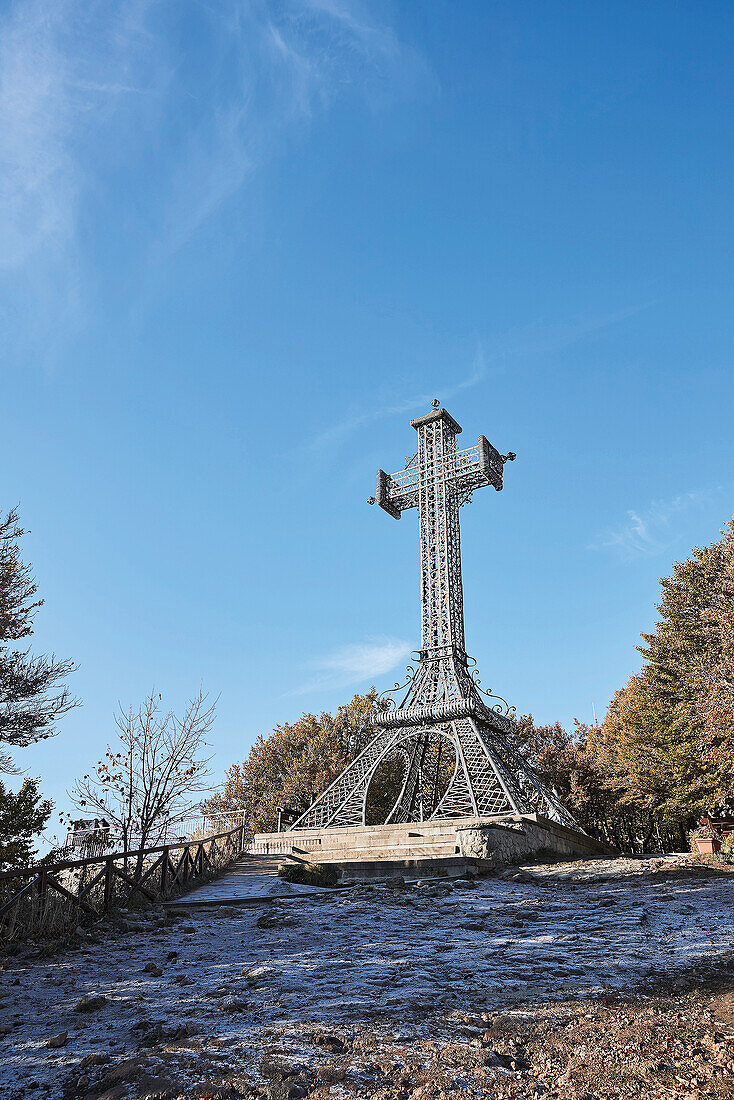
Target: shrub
<point>308,874</point>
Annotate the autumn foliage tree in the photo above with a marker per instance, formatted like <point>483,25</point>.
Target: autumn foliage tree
<point>292,765</point>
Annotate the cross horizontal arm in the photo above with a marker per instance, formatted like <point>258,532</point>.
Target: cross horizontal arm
<point>467,470</point>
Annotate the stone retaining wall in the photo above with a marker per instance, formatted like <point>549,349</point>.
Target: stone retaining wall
<point>516,840</point>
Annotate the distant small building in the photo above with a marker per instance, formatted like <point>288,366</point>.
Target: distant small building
<point>86,833</point>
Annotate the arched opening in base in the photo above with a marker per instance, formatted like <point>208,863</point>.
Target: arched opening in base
<point>409,782</point>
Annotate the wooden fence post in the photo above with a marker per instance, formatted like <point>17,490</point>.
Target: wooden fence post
<point>107,898</point>
<point>42,890</point>
<point>164,872</point>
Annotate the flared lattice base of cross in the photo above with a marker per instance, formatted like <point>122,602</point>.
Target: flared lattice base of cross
<point>461,766</point>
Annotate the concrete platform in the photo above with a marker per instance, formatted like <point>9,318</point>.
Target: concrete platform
<point>430,849</point>
<point>252,880</point>
<point>422,849</point>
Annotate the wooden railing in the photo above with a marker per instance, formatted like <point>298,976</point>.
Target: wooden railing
<point>52,899</point>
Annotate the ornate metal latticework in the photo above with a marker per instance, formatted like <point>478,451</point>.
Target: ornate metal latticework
<point>457,751</point>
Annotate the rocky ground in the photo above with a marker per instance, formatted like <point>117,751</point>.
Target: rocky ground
<point>586,980</point>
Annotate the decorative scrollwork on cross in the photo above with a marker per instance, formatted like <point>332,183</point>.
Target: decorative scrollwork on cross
<point>502,706</point>
<point>385,700</point>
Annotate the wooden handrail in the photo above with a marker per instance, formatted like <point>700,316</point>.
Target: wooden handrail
<point>41,881</point>
<point>65,865</point>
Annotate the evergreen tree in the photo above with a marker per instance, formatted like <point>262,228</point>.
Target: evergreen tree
<point>32,698</point>
<point>713,677</point>
<point>29,708</point>
<point>667,741</point>
<point>22,816</point>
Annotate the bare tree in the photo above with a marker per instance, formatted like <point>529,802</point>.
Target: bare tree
<point>150,782</point>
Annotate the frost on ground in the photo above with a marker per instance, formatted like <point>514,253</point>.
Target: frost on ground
<point>596,979</point>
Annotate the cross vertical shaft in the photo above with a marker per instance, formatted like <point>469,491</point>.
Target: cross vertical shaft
<point>442,598</point>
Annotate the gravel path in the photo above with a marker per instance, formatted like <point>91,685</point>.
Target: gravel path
<point>225,987</point>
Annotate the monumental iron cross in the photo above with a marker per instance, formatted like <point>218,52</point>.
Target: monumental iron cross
<point>437,481</point>
<point>457,750</point>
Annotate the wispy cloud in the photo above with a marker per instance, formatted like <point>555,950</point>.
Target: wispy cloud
<point>387,405</point>
<point>527,341</point>
<point>544,336</point>
<point>81,80</point>
<point>354,664</point>
<point>652,530</point>
<point>68,69</point>
<point>286,63</point>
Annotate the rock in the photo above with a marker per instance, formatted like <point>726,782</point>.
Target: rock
<point>5,1029</point>
<point>280,1071</point>
<point>330,1042</point>
<point>95,1059</point>
<point>90,1002</point>
<point>232,1004</point>
<point>57,1041</point>
<point>124,1071</point>
<point>256,973</point>
<point>506,1061</point>
<point>330,1075</point>
<point>183,979</point>
<point>171,956</point>
<point>153,1034</point>
<point>130,925</point>
<point>275,919</point>
<point>285,1090</point>
<point>83,1083</point>
<point>180,1031</point>
<point>115,1093</point>
<point>395,882</point>
<point>152,968</point>
<point>154,1088</point>
<point>142,1025</point>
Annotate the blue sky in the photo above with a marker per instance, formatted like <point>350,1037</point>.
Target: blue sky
<point>242,244</point>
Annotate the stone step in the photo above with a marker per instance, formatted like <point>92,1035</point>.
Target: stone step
<point>399,836</point>
<point>309,842</point>
<point>386,843</point>
<point>379,870</point>
<point>385,852</point>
